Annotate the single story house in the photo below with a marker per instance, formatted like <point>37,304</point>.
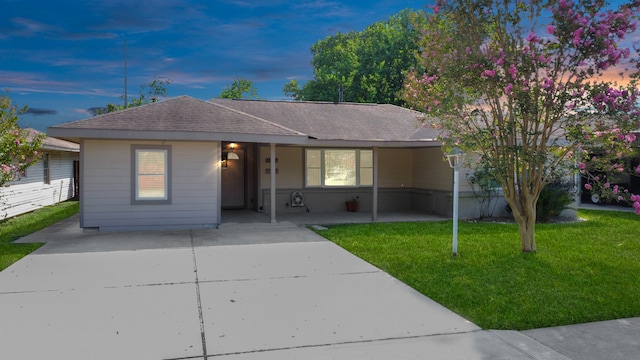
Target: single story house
<point>179,162</point>
<point>52,179</point>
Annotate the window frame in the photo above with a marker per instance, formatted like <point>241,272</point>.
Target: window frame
<point>46,169</point>
<point>135,198</point>
<point>322,168</point>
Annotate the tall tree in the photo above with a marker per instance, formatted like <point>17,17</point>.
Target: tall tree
<point>149,93</point>
<point>292,89</point>
<point>18,147</point>
<point>239,89</point>
<point>527,100</point>
<point>369,65</point>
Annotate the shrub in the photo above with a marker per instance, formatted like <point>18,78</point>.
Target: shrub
<point>554,198</point>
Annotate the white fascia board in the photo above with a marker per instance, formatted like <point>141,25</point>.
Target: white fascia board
<point>372,143</point>
<point>74,134</point>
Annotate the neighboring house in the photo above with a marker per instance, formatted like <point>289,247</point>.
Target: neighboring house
<point>49,181</point>
<point>177,163</point>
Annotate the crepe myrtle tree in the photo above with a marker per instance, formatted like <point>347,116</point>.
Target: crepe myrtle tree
<point>18,147</point>
<point>520,83</point>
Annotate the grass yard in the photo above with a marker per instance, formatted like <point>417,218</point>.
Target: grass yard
<point>19,226</point>
<point>585,271</point>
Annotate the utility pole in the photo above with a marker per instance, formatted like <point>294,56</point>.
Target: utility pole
<point>125,73</point>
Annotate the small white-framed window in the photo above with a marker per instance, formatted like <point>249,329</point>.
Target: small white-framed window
<point>338,167</point>
<point>151,171</point>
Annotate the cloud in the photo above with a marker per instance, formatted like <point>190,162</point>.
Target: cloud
<point>23,79</point>
<point>200,45</point>
<point>255,4</point>
<point>24,27</point>
<point>323,8</point>
<point>39,111</point>
<point>27,82</point>
<point>29,28</point>
<point>192,79</point>
<point>144,15</point>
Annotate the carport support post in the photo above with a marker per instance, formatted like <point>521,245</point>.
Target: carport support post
<point>374,212</point>
<point>272,163</point>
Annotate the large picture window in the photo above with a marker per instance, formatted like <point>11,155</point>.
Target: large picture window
<point>151,174</point>
<point>338,167</point>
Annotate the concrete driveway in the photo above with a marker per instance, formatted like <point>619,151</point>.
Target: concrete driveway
<point>240,292</point>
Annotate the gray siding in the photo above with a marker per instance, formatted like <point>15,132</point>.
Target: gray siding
<point>106,187</point>
<point>31,193</point>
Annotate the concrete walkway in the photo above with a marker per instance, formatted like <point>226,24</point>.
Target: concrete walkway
<point>246,291</point>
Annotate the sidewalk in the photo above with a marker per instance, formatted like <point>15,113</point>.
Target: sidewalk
<point>243,292</point>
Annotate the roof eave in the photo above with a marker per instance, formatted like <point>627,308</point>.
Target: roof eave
<point>376,143</point>
<point>60,148</point>
<point>75,134</point>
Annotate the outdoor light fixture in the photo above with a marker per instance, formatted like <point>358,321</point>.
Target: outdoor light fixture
<point>455,158</point>
<point>231,155</point>
<point>223,163</point>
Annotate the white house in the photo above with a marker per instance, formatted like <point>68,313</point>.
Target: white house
<point>52,179</point>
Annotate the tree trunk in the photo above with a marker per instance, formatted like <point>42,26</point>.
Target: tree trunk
<point>527,230</point>
<point>525,217</point>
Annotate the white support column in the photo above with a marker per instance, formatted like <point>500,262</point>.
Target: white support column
<point>456,192</point>
<point>272,163</point>
<point>218,166</point>
<point>374,211</point>
<point>81,182</point>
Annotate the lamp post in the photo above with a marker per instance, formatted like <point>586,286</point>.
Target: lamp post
<point>455,158</point>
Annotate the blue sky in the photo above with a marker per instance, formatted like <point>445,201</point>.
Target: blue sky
<point>63,57</point>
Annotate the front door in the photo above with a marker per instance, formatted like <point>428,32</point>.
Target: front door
<point>233,180</point>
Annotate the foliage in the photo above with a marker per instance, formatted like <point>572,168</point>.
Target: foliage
<point>582,272</point>
<point>292,89</point>
<point>528,103</point>
<point>23,225</point>
<point>369,65</point>
<point>239,89</point>
<point>18,147</point>
<point>485,189</point>
<point>149,93</point>
<point>605,175</point>
<point>554,198</point>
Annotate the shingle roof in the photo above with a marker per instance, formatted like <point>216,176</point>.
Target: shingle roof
<point>182,113</point>
<point>263,121</point>
<point>338,121</point>
<point>51,143</point>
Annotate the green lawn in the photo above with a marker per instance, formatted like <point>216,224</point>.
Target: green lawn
<point>582,272</point>
<point>19,226</point>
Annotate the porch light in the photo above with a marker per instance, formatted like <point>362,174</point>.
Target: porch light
<point>231,155</point>
<point>455,158</point>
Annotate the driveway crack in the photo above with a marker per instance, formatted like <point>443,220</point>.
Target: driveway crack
<point>195,270</point>
<point>339,343</point>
